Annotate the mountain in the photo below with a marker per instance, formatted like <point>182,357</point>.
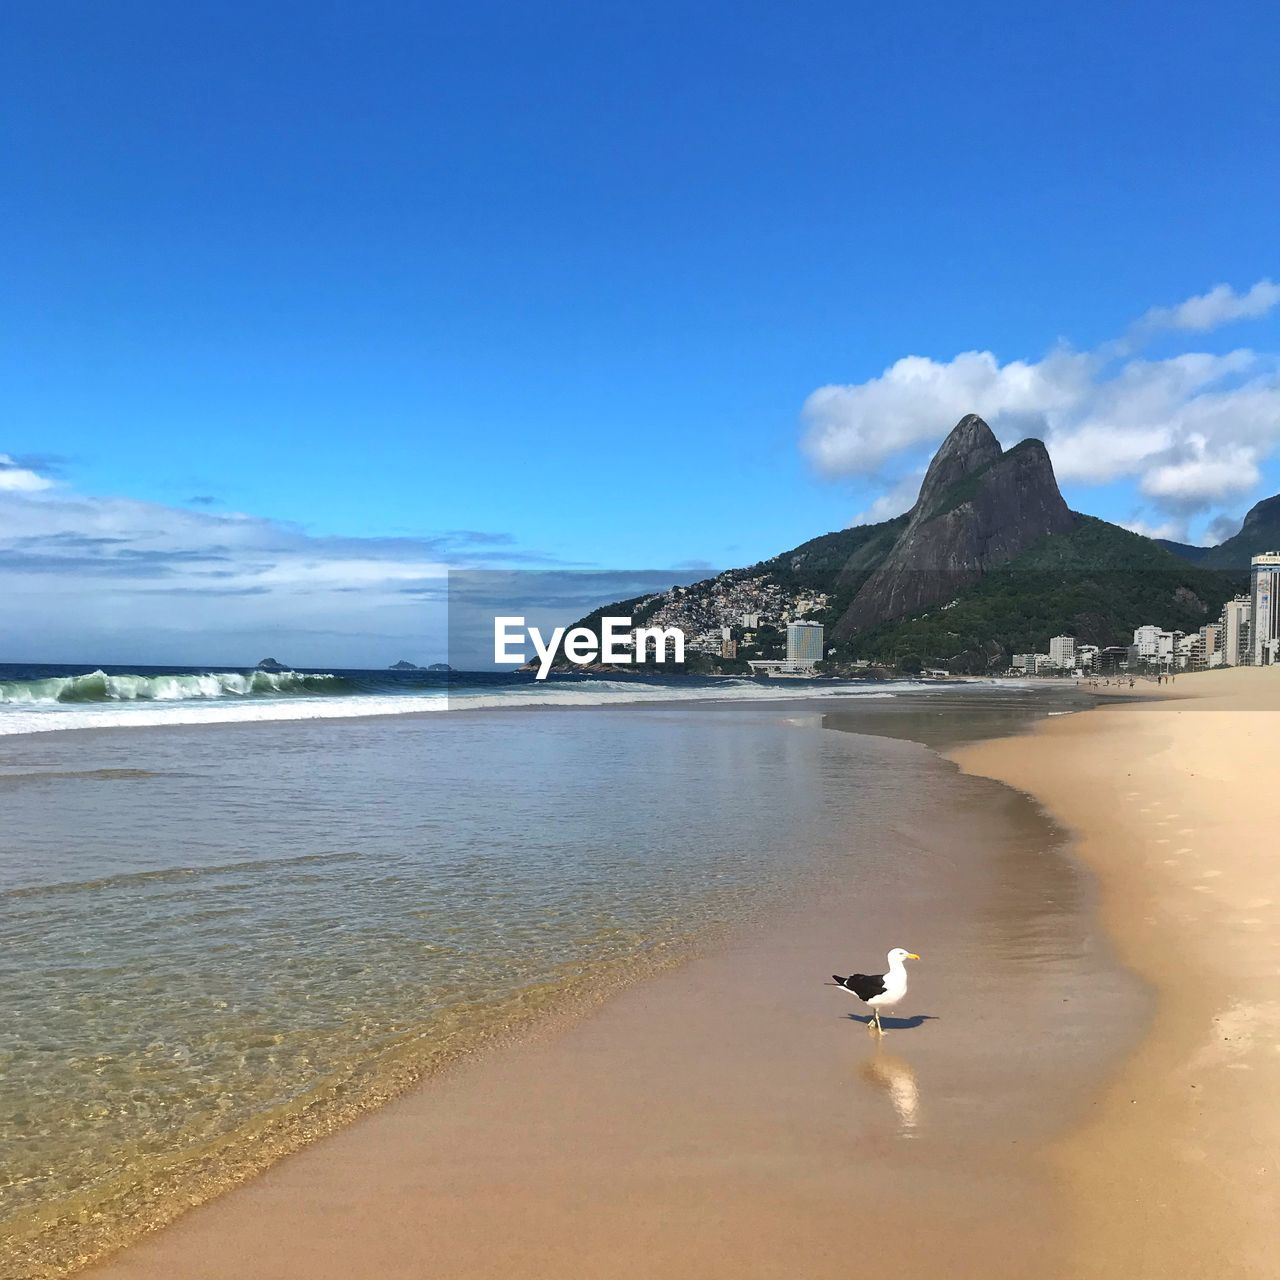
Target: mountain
<point>404,665</point>
<point>988,562</point>
<point>1097,582</point>
<point>1260,532</point>
<point>978,508</point>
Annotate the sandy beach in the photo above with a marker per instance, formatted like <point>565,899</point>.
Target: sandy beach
<point>734,1116</point>
<point>1175,1171</point>
<point>1031,1110</point>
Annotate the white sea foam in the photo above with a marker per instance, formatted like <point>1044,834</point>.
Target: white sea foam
<point>50,716</point>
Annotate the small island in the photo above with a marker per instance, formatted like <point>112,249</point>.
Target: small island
<point>439,666</point>
<point>402,665</point>
<point>271,664</point>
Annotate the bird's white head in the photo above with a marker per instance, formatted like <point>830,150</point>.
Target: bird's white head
<point>899,954</point>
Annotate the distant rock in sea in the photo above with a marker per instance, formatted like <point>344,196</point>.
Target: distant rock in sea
<point>402,665</point>
<point>270,664</point>
<point>439,666</point>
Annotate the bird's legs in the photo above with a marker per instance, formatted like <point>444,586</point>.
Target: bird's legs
<point>875,1015</point>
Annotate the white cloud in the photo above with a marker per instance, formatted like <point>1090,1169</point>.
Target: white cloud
<point>1220,528</point>
<point>113,579</point>
<point>901,497</point>
<point>1203,475</point>
<point>19,479</point>
<point>1098,452</point>
<point>1221,305</point>
<point>855,429</point>
<point>1191,428</point>
<point>1174,530</point>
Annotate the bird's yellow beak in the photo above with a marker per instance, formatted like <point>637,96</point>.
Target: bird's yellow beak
<point>911,955</point>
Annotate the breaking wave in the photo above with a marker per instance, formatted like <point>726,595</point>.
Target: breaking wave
<point>98,686</point>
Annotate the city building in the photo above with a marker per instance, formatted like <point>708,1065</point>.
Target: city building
<point>1264,597</point>
<point>1023,662</point>
<point>1116,658</point>
<point>1152,642</point>
<point>1208,652</point>
<point>1087,656</point>
<point>1156,646</point>
<point>1233,628</point>
<point>1062,652</point>
<point>804,645</point>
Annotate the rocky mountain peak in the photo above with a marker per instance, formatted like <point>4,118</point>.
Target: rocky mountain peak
<point>979,507</point>
<point>969,448</point>
<point>1262,517</point>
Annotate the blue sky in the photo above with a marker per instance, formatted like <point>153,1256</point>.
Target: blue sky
<point>564,284</point>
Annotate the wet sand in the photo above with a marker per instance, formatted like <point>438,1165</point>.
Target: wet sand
<point>731,1118</point>
<point>1175,1171</point>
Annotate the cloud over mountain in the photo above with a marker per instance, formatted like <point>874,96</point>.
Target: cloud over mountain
<point>1190,428</point>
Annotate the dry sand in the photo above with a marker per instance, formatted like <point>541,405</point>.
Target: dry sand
<point>1175,803</point>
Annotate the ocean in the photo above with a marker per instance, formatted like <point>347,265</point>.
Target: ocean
<point>43,698</point>
<point>235,912</point>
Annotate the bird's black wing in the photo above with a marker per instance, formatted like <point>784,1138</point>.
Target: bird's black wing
<point>863,985</point>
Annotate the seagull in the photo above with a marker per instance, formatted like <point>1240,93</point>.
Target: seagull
<point>880,990</point>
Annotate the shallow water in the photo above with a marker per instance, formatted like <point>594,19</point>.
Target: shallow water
<point>220,941</point>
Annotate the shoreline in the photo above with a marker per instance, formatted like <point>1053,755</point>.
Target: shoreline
<point>1173,1169</point>
<point>725,1114</point>
<point>306,711</point>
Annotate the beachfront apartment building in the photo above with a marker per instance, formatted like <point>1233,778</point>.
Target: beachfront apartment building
<point>1153,643</point>
<point>1087,656</point>
<point>1264,602</point>
<point>804,645</point>
<point>1062,653</point>
<point>1233,632</point>
<point>1208,648</point>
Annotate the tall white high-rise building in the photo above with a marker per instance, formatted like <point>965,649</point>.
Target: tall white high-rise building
<point>1153,644</point>
<point>1233,629</point>
<point>1062,652</point>
<point>804,645</point>
<point>1264,596</point>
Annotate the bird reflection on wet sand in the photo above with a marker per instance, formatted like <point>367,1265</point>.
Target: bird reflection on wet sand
<point>896,1078</point>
